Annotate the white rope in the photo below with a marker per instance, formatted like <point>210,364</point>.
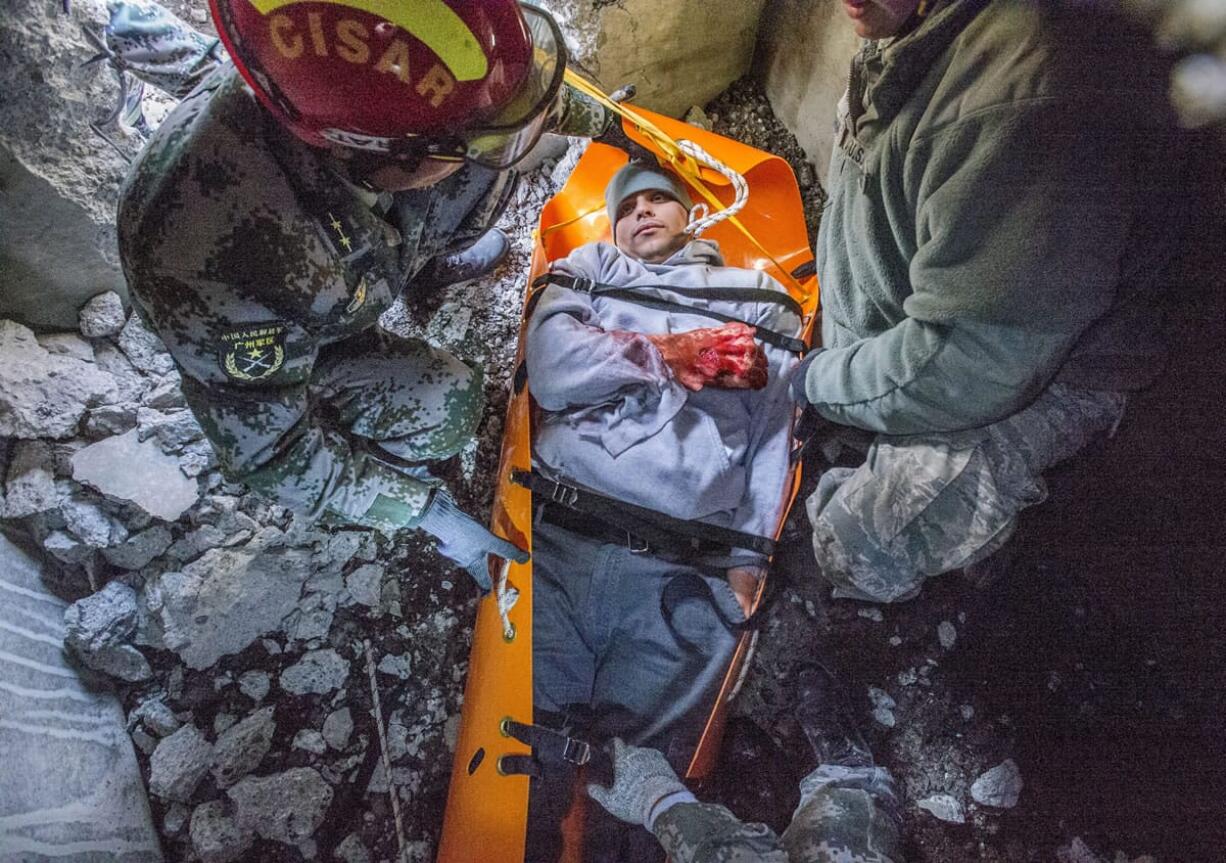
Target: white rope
<point>392,791</point>
<point>507,597</point>
<point>701,217</point>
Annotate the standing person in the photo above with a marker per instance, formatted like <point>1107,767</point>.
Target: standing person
<point>1003,196</point>
<point>848,810</point>
<point>349,154</point>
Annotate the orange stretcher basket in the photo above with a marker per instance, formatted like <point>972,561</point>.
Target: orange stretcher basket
<point>486,816</point>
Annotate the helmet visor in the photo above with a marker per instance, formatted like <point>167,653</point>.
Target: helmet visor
<point>516,128</point>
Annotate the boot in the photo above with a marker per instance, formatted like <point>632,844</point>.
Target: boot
<point>467,264</point>
<point>825,714</point>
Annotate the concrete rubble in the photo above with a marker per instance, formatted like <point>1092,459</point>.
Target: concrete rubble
<point>179,763</point>
<point>999,787</point>
<point>241,747</point>
<point>216,836</point>
<point>319,671</point>
<point>287,807</point>
<point>45,395</point>
<point>98,630</point>
<point>102,316</point>
<point>946,807</point>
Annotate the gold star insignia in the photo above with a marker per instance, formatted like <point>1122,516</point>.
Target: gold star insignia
<point>337,226</point>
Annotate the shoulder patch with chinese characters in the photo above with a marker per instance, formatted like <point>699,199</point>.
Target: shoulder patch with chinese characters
<point>253,352</point>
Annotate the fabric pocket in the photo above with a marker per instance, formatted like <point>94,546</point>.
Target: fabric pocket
<point>902,476</point>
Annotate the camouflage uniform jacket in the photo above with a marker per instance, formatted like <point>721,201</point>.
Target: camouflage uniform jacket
<point>709,833</point>
<point>248,253</point>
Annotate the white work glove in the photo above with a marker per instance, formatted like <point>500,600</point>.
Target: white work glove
<point>465,541</point>
<point>642,780</point>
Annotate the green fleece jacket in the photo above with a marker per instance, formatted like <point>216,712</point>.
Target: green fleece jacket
<point>1002,200</point>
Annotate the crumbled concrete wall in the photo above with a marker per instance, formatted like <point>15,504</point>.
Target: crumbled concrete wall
<point>70,788</point>
<point>677,53</point>
<point>58,180</point>
<point>805,54</point>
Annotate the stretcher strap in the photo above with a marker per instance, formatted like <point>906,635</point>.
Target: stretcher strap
<point>635,295</point>
<point>553,750</point>
<point>639,520</point>
<point>682,162</point>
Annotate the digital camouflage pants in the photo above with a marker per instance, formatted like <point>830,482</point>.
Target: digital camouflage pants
<point>418,402</point>
<point>924,504</point>
<point>846,815</point>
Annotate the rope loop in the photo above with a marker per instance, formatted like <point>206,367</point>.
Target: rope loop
<point>698,224</point>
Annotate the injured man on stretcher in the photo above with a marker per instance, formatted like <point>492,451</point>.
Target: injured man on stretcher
<point>661,463</point>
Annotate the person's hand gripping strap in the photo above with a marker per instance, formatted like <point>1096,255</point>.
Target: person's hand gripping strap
<point>463,540</point>
<point>615,136</point>
<point>644,785</point>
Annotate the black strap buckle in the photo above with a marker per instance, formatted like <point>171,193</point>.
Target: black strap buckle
<point>636,544</point>
<point>577,752</point>
<point>564,494</point>
<point>583,284</point>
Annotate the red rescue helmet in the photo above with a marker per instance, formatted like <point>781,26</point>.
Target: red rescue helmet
<point>449,79</point>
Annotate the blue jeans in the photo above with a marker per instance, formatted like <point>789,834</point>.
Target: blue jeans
<point>600,638</point>
<point>606,662</point>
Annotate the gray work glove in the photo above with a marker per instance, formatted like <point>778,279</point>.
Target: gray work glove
<point>641,779</point>
<point>464,540</point>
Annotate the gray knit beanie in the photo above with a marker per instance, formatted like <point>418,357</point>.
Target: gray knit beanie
<point>637,177</point>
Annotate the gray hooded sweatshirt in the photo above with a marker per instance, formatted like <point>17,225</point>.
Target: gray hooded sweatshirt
<point>615,420</point>
<point>1003,197</point>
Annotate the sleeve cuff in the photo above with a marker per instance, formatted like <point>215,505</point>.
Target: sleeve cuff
<point>667,802</point>
<point>800,373</point>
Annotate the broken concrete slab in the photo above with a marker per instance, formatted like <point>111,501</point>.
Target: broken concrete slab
<point>227,598</point>
<point>241,748</point>
<point>107,420</point>
<point>143,347</point>
<point>90,523</point>
<point>338,728</point>
<point>67,345</point>
<point>99,628</point>
<point>944,807</point>
<point>179,763</point>
<point>319,671</point>
<point>66,548</point>
<point>254,684</point>
<point>172,429</point>
<point>69,781</point>
<point>45,395</point>
<point>140,548</point>
<point>312,619</point>
<point>365,585</point>
<point>1000,786</point>
<point>29,487</point>
<point>129,382</point>
<point>287,807</point>
<point>124,467</point>
<point>216,837</point>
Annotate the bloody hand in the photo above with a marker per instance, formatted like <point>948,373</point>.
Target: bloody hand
<point>725,357</point>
